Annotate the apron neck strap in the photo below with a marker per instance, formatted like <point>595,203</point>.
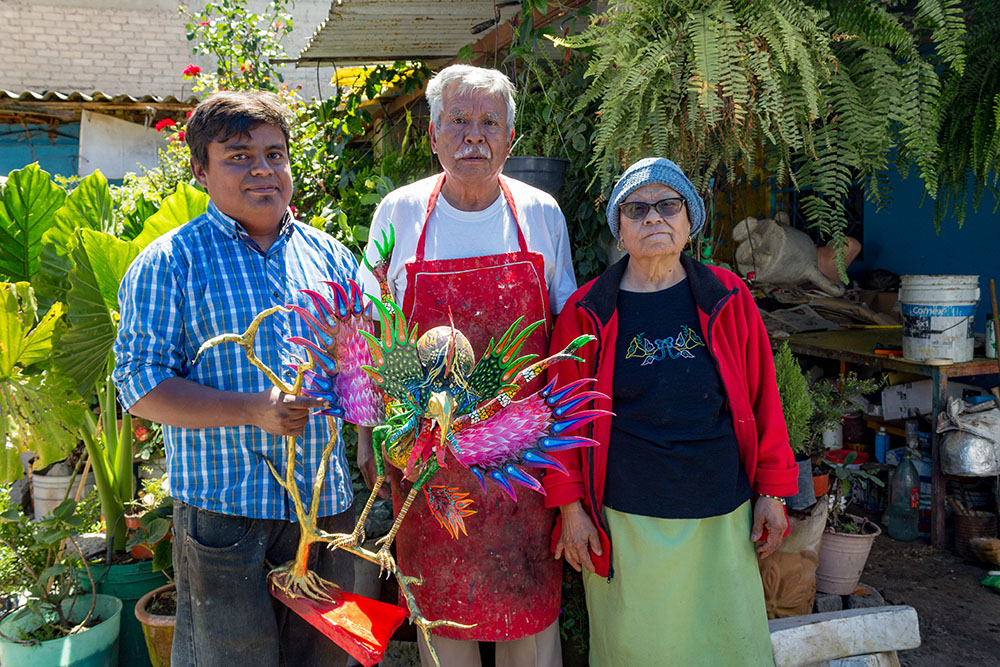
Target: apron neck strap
<point>432,202</point>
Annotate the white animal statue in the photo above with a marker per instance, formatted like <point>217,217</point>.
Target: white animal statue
<point>779,254</point>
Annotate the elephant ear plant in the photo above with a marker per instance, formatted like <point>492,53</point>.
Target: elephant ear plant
<point>74,253</point>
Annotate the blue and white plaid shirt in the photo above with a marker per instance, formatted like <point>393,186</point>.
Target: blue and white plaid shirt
<point>207,278</point>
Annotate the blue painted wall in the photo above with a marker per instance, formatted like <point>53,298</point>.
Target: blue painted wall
<point>901,238</point>
<point>56,152</point>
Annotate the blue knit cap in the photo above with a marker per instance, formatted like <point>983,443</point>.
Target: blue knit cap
<point>656,170</point>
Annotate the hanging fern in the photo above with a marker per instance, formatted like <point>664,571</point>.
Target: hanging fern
<point>824,91</point>
<point>970,120</point>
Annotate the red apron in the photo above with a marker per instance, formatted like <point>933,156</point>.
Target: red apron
<point>501,576</point>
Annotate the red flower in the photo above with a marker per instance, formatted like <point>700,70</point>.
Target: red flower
<point>188,115</point>
<point>166,122</point>
<point>191,71</point>
<point>178,137</point>
<point>142,434</point>
<point>294,212</point>
<point>204,23</point>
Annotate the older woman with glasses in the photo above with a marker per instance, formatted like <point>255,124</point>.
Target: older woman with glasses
<point>668,514</point>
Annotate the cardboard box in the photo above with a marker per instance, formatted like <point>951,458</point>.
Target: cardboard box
<point>906,400</point>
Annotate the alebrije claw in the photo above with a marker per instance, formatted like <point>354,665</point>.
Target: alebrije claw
<point>578,419</point>
<point>498,477</point>
<point>479,475</point>
<point>554,398</point>
<point>322,305</point>
<point>522,478</point>
<point>341,298</point>
<point>314,325</point>
<point>537,459</point>
<point>561,443</point>
<point>573,401</point>
<point>314,349</point>
<point>356,299</point>
<point>547,389</point>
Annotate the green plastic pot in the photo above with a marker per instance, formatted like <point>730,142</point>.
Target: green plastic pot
<point>94,647</point>
<point>128,583</point>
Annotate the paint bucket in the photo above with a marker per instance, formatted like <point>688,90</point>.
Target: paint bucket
<point>938,313</point>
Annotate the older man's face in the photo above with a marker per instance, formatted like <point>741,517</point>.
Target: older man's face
<point>473,140</point>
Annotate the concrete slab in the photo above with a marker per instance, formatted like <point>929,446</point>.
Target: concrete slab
<point>799,641</point>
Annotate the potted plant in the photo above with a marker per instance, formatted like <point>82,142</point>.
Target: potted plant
<point>793,388</point>
<point>149,521</point>
<point>831,401</point>
<point>62,362</point>
<point>157,612</point>
<point>549,134</point>
<point>157,609</point>
<point>848,538</point>
<point>55,625</point>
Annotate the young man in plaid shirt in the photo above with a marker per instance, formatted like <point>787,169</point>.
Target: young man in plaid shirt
<point>222,418</point>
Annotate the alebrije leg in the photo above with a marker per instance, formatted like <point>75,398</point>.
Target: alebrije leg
<point>385,558</point>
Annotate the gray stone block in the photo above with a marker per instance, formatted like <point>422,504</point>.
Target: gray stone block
<point>866,600</point>
<point>826,602</point>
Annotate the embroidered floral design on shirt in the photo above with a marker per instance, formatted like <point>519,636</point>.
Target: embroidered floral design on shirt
<point>673,346</point>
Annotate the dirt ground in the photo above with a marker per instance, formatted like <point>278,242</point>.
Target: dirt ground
<point>959,618</point>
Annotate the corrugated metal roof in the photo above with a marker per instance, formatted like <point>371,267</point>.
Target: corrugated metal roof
<point>97,97</point>
<point>385,30</point>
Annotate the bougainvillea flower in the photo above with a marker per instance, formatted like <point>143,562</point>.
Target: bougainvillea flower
<point>166,122</point>
<point>191,71</point>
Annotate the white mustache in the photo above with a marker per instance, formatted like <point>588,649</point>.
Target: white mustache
<point>474,150</point>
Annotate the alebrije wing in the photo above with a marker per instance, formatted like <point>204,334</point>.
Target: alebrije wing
<point>395,367</point>
<point>499,364</point>
<point>525,433</point>
<point>339,352</point>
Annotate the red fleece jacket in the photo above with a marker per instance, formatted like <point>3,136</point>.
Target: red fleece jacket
<point>736,338</point>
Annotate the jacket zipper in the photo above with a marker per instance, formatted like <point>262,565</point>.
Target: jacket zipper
<point>595,510</point>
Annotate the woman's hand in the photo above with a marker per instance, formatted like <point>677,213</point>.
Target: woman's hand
<point>578,538</point>
<point>768,516</point>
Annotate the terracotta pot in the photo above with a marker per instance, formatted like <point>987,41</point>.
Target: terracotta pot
<point>842,558</point>
<point>821,484</point>
<point>158,629</point>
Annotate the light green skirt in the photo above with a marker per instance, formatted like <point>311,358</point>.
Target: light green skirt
<point>685,592</point>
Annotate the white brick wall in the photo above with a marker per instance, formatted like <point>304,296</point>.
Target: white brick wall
<point>121,46</point>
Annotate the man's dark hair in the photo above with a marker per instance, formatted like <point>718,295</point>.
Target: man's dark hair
<point>230,113</point>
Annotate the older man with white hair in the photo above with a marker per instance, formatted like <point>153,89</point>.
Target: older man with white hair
<point>483,250</point>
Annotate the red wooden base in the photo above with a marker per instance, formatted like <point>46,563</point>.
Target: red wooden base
<point>359,625</point>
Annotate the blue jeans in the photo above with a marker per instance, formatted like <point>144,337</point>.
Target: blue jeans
<point>225,614</point>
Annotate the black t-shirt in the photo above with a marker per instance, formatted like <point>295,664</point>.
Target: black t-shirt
<point>673,453</point>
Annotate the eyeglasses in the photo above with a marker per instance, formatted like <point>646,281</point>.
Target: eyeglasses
<point>638,210</point>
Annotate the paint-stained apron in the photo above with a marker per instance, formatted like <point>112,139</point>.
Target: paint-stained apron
<point>501,576</point>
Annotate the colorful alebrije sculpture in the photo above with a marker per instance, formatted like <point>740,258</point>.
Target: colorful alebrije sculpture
<point>428,401</point>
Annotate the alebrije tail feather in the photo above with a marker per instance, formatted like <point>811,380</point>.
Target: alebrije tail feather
<point>449,506</point>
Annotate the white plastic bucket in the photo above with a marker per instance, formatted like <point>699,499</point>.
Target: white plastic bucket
<point>48,491</point>
<point>938,313</point>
